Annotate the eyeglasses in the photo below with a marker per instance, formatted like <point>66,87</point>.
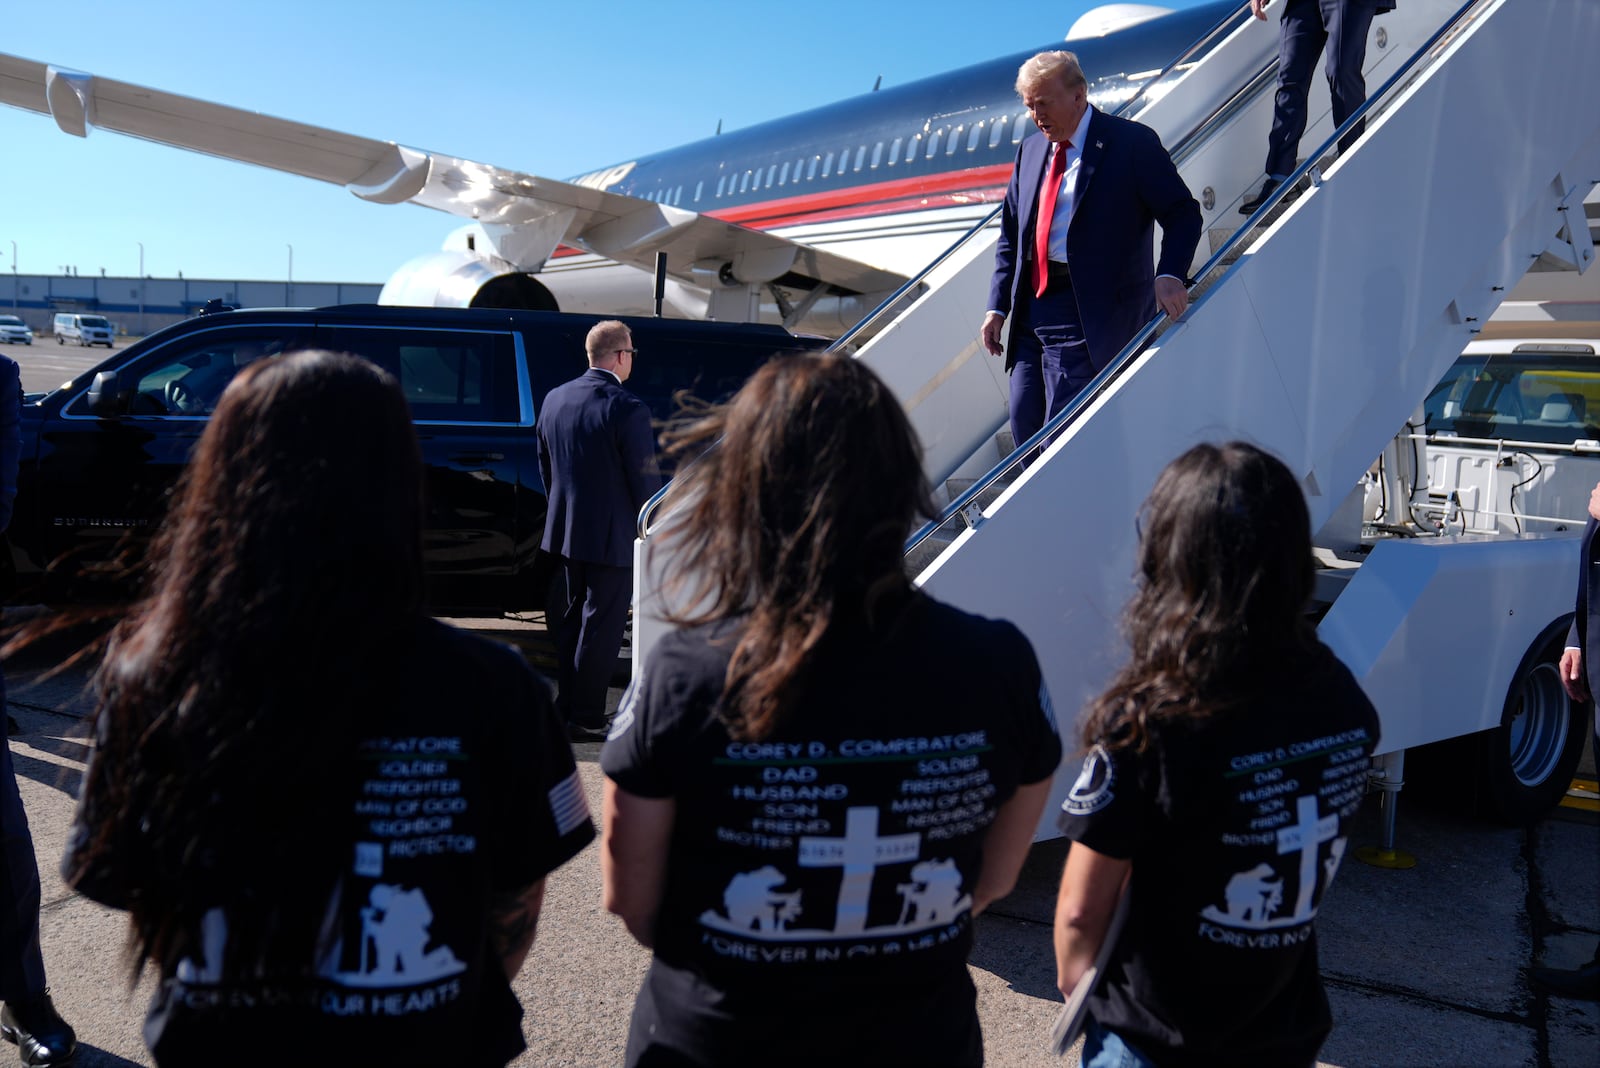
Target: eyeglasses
<point>630,352</point>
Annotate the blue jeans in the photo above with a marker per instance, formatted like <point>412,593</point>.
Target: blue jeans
<point>1106,1049</point>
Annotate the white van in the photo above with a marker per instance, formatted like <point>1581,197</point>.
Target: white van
<point>84,329</point>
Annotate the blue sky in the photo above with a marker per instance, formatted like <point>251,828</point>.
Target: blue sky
<point>555,89</point>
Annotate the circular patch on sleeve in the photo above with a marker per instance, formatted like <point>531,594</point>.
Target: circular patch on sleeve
<point>1092,791</point>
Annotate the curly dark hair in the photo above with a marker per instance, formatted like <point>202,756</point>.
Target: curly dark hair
<point>795,521</point>
<point>1225,572</point>
<point>291,553</point>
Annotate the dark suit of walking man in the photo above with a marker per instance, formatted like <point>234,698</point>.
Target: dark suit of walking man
<point>597,456</point>
<point>29,1018</point>
<point>1116,182</point>
<point>1305,30</point>
<point>1580,674</point>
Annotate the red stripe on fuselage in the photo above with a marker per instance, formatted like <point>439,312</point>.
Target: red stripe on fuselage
<point>976,185</point>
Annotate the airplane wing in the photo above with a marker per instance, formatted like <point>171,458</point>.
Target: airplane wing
<point>527,216</point>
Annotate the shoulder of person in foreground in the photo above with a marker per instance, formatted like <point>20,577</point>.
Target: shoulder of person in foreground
<point>536,792</point>
<point>1005,657</point>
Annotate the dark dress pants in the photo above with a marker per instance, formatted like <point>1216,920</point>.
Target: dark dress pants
<point>589,636</point>
<point>1050,359</point>
<point>1307,27</point>
<point>21,963</point>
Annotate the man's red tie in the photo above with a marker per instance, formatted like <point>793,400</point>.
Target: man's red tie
<point>1047,209</point>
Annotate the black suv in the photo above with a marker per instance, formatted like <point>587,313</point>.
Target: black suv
<point>101,453</point>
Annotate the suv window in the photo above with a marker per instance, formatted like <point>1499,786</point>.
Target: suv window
<point>187,377</point>
<point>93,320</point>
<point>1539,394</point>
<point>455,376</point>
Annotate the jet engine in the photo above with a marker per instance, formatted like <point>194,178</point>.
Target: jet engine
<point>465,279</point>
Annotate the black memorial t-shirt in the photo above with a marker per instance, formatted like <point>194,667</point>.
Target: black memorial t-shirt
<point>1235,827</point>
<point>820,879</point>
<point>467,794</point>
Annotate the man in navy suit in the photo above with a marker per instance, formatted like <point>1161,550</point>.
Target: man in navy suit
<point>1077,290</point>
<point>1307,26</point>
<point>28,1018</point>
<point>1580,674</point>
<point>597,455</point>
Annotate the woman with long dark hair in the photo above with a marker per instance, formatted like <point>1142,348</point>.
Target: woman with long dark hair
<point>815,786</point>
<point>328,816</point>
<point>1224,763</point>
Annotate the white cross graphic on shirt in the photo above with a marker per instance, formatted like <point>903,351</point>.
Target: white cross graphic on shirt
<point>1304,837</point>
<point>859,853</point>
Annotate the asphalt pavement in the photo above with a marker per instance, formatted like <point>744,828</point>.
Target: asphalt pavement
<point>1426,966</point>
<point>46,365</point>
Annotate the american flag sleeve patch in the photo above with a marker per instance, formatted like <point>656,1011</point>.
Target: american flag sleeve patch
<point>567,804</point>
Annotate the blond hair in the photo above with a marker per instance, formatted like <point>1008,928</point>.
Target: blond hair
<point>1047,65</point>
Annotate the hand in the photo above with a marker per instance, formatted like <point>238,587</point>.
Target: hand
<point>1258,8</point>
<point>1173,298</point>
<point>991,339</point>
<point>180,398</point>
<point>1594,501</point>
<point>1572,675</point>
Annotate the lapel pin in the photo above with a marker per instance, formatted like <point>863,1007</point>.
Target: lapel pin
<point>1099,144</point>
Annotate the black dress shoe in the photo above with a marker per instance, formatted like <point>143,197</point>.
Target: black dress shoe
<point>577,732</point>
<point>1582,983</point>
<point>42,1036</point>
<point>1251,203</point>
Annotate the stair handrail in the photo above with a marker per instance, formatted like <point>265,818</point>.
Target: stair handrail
<point>1309,170</point>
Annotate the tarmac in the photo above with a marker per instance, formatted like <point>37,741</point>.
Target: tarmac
<point>1426,966</point>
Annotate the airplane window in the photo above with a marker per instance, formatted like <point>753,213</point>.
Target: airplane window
<point>772,175</point>
<point>811,167</point>
<point>955,140</point>
<point>744,183</point>
<point>783,174</point>
<point>911,148</point>
<point>677,195</point>
<point>801,162</point>
<point>997,131</point>
<point>861,157</point>
<point>1020,130</point>
<point>894,151</point>
<point>722,184</point>
<point>975,136</point>
<point>877,155</point>
<point>933,143</point>
<point>699,187</point>
<point>827,165</point>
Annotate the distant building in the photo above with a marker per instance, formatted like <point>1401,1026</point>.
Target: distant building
<point>141,305</point>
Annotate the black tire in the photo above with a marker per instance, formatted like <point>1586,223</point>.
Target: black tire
<point>1526,763</point>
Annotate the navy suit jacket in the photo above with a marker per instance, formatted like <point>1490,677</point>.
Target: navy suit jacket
<point>10,436</point>
<point>1126,184</point>
<point>598,458</point>
<point>1583,621</point>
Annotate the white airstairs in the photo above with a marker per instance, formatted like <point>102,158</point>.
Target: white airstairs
<point>1317,343</point>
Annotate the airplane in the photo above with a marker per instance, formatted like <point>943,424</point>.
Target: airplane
<point>810,220</point>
